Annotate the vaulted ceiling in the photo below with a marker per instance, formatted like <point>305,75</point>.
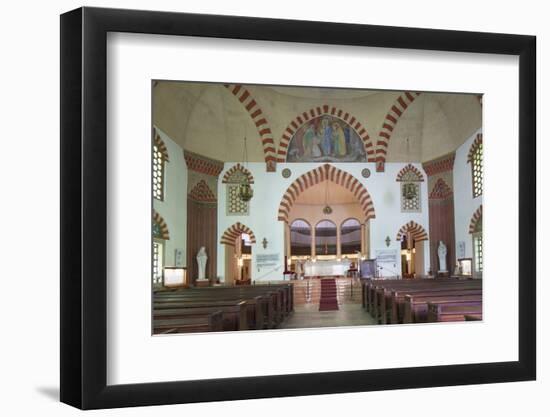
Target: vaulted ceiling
<point>212,119</point>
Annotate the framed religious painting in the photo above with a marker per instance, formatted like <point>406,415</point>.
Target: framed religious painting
<point>245,199</point>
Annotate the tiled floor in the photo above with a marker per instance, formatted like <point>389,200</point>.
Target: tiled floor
<point>308,315</point>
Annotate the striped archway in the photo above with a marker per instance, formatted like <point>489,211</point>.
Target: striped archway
<point>163,227</point>
<point>476,218</point>
<point>441,190</point>
<point>235,230</point>
<point>258,117</point>
<point>318,111</point>
<point>237,168</point>
<point>320,174</point>
<point>390,121</point>
<point>417,232</point>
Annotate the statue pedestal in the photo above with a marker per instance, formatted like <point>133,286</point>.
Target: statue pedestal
<point>202,283</point>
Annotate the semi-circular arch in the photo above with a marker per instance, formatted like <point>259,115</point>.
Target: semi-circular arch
<point>320,174</point>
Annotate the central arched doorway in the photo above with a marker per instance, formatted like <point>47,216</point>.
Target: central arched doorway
<point>238,240</point>
<point>332,210</point>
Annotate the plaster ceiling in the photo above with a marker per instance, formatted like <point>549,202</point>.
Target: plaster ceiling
<point>208,119</point>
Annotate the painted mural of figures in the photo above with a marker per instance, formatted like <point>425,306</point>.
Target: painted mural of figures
<point>326,138</point>
<point>308,141</point>
<point>339,139</point>
<point>315,148</point>
<point>326,142</point>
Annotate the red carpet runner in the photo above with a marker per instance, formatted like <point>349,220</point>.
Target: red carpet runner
<point>328,299</point>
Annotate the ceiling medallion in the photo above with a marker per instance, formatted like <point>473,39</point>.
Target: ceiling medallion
<point>365,172</point>
<point>286,173</point>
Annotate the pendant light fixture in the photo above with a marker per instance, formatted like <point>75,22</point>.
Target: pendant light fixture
<point>409,188</point>
<point>245,189</point>
<point>327,209</point>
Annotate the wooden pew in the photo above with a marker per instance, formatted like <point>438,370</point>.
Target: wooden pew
<point>254,311</point>
<point>381,295</point>
<point>234,317</point>
<point>282,297</point>
<point>264,302</point>
<point>442,312</point>
<point>211,322</point>
<point>395,303</point>
<point>416,308</point>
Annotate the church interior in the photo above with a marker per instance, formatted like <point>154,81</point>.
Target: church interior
<point>280,207</point>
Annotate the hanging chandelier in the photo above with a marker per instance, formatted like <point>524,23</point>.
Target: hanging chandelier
<point>409,191</point>
<point>409,188</point>
<point>245,189</point>
<point>327,209</point>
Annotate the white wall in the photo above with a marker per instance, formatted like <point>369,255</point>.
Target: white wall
<point>269,188</point>
<point>173,208</point>
<point>465,204</point>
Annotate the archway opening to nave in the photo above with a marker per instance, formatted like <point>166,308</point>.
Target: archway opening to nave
<point>327,233</point>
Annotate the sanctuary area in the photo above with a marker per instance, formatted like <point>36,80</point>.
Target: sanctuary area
<point>281,207</point>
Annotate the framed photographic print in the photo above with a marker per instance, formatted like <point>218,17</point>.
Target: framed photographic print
<point>244,199</point>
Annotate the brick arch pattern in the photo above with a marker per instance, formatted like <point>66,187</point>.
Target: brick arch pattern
<point>476,218</point>
<point>235,230</point>
<point>157,218</point>
<point>322,173</point>
<point>304,117</point>
<point>418,233</point>
<point>159,143</point>
<point>202,192</point>
<point>237,168</point>
<point>441,190</point>
<point>390,121</point>
<point>258,117</point>
<point>410,169</point>
<point>478,141</point>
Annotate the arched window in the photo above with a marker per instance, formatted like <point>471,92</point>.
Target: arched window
<point>325,238</point>
<point>475,157</point>
<point>410,178</point>
<point>350,237</point>
<point>160,156</point>
<point>300,238</point>
<point>234,177</point>
<point>160,235</point>
<point>476,229</point>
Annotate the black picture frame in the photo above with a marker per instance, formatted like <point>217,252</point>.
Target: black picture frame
<point>84,207</point>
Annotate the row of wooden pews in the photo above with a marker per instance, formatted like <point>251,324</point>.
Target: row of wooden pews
<point>395,301</point>
<point>221,308</point>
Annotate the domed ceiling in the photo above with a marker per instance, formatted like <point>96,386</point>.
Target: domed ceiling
<point>213,119</point>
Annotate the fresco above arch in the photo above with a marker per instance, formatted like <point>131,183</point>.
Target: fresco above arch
<point>326,139</point>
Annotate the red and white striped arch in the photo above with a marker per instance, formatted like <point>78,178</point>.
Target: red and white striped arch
<point>390,121</point>
<point>476,218</point>
<point>320,174</point>
<point>417,232</point>
<point>230,235</point>
<point>258,117</point>
<point>157,218</point>
<point>315,112</point>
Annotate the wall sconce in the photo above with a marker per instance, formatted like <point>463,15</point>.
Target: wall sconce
<point>388,241</point>
<point>264,243</point>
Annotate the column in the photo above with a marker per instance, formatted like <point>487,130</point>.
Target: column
<point>338,242</point>
<point>312,242</point>
<point>287,240</point>
<point>363,236</point>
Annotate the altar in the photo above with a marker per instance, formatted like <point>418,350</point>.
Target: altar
<point>323,268</point>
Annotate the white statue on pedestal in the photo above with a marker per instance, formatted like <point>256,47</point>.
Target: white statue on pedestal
<point>442,253</point>
<point>202,257</point>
